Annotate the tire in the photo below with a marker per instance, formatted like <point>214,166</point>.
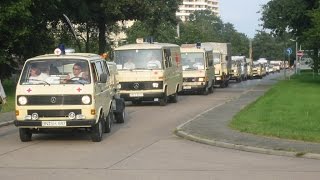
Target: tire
<point>120,117</point>
<point>25,134</point>
<point>211,89</point>
<point>108,122</point>
<point>205,91</point>
<point>97,131</point>
<point>164,100</point>
<point>174,98</point>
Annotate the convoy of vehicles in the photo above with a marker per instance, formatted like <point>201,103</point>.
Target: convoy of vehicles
<point>75,90</point>
<point>149,72</point>
<point>198,69</point>
<point>84,91</point>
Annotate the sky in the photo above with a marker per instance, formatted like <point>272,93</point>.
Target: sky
<point>243,14</point>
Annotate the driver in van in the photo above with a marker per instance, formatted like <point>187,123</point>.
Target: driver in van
<point>77,72</point>
<point>36,76</point>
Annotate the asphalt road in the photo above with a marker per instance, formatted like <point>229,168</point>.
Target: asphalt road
<point>144,147</point>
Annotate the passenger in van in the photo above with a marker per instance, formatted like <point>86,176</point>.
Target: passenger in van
<point>36,76</point>
<point>77,72</point>
<point>129,64</point>
<point>154,63</point>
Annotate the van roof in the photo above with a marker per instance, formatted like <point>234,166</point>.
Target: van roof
<point>67,56</point>
<point>146,46</point>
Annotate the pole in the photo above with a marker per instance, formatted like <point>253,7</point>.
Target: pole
<point>296,61</point>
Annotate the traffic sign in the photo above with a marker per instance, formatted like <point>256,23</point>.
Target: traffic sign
<point>300,53</point>
<point>289,51</point>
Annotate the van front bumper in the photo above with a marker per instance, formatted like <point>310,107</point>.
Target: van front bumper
<point>149,96</point>
<point>69,123</point>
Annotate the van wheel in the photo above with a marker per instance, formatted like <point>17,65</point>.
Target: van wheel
<point>222,84</point>
<point>205,91</point>
<point>120,117</point>
<point>108,121</point>
<point>174,98</point>
<point>164,100</point>
<point>97,131</point>
<point>25,134</point>
<point>211,89</point>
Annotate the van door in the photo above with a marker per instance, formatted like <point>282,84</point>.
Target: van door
<point>102,87</point>
<point>169,73</point>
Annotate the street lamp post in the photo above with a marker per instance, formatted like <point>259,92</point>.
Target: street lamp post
<point>296,61</point>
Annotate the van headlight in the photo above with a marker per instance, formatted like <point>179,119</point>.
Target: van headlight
<point>155,85</point>
<point>201,79</point>
<point>86,99</point>
<point>22,100</point>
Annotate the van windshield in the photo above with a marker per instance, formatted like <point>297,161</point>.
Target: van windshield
<point>192,60</point>
<point>138,59</point>
<point>51,71</point>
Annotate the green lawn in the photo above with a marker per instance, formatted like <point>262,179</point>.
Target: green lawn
<point>10,90</point>
<point>291,109</point>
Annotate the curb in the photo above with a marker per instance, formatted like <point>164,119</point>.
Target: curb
<point>6,123</point>
<point>246,148</point>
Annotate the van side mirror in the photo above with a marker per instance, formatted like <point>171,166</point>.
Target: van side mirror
<point>226,58</point>
<point>103,78</point>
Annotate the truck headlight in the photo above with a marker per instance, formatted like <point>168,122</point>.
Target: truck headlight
<point>201,79</point>
<point>155,85</point>
<point>22,100</point>
<point>86,99</point>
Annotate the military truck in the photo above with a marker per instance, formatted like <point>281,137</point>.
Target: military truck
<point>222,62</point>
<point>198,69</point>
<point>67,91</point>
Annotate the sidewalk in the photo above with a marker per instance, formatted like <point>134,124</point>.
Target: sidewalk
<point>211,127</point>
<point>7,118</point>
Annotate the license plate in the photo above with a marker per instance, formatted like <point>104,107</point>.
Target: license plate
<point>53,123</point>
<point>136,94</point>
<point>186,87</point>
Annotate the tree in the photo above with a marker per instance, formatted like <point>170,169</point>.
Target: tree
<point>298,18</point>
<point>267,46</point>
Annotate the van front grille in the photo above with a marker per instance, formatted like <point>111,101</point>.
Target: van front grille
<point>54,99</point>
<point>54,113</point>
<point>141,85</point>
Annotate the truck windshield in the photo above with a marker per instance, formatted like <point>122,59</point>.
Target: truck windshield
<point>51,71</point>
<point>138,59</point>
<point>192,61</point>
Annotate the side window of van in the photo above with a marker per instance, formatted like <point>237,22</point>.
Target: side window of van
<point>99,68</point>
<point>168,59</point>
<point>94,72</point>
<point>105,66</point>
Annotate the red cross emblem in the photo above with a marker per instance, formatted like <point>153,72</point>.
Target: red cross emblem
<point>29,90</point>
<point>79,89</point>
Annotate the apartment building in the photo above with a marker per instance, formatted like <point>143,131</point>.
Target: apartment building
<point>189,6</point>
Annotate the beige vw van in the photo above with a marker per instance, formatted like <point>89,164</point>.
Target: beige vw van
<point>198,69</point>
<point>149,72</point>
<point>66,91</point>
